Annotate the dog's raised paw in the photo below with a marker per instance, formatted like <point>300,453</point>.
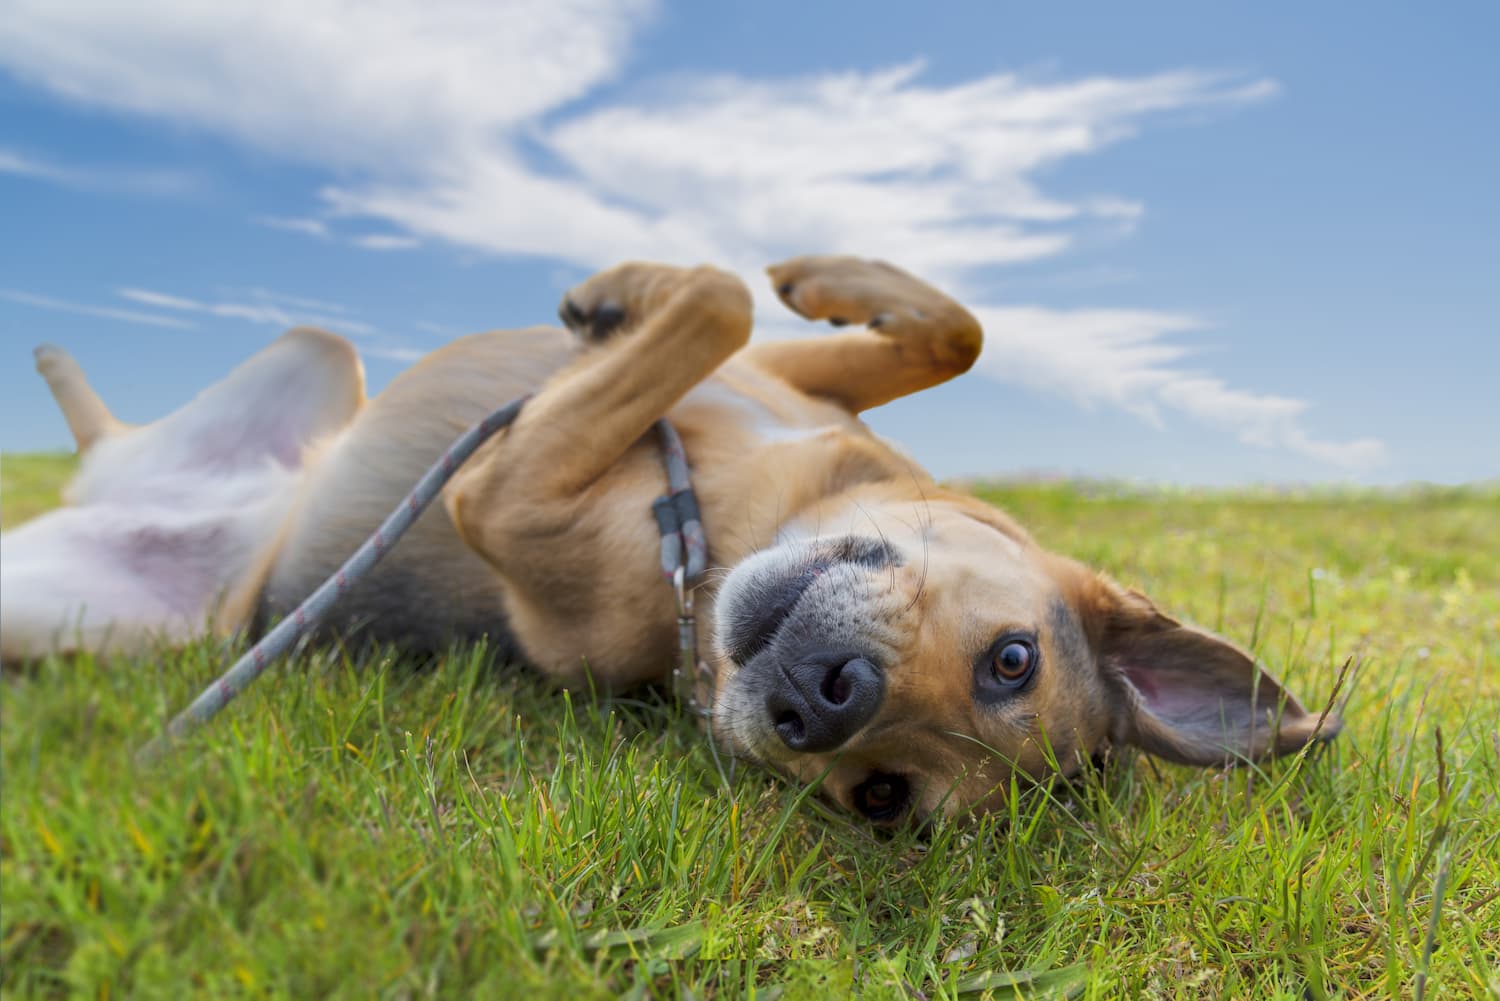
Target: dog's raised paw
<point>594,324</point>
<point>614,300</point>
<point>845,290</point>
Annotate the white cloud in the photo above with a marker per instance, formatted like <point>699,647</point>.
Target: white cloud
<point>385,241</point>
<point>398,353</point>
<point>130,180</point>
<point>278,310</point>
<point>340,82</point>
<point>1127,359</point>
<point>434,115</point>
<point>160,299</point>
<point>299,301</point>
<point>261,311</point>
<point>941,178</point>
<point>24,166</point>
<point>743,171</point>
<point>101,312</point>
<point>308,227</point>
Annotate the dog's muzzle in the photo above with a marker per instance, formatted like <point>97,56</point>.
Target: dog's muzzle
<point>821,700</point>
<point>803,645</point>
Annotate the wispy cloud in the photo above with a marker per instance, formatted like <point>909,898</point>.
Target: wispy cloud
<point>260,307</point>
<point>279,310</point>
<point>319,229</point>
<point>431,115</point>
<point>385,241</point>
<point>131,180</point>
<point>298,301</point>
<point>160,299</point>
<point>100,312</point>
<point>395,352</point>
<point>259,311</point>
<point>1135,360</point>
<point>942,178</point>
<point>307,227</point>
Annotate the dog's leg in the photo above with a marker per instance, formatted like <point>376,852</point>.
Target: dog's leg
<point>87,416</point>
<point>667,328</point>
<point>917,337</point>
<point>168,518</point>
<point>555,506</point>
<point>304,385</point>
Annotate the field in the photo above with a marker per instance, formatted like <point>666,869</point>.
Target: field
<point>455,829</point>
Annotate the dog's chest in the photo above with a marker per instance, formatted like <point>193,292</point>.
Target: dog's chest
<point>756,410</point>
<point>762,452</point>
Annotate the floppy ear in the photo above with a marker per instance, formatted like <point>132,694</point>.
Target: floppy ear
<point>1188,696</point>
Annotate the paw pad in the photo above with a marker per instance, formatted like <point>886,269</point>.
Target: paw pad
<point>591,325</point>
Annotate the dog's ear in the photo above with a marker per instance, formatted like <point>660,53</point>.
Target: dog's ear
<point>1187,695</point>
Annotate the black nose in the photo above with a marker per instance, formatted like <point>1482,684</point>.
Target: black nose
<point>819,702</point>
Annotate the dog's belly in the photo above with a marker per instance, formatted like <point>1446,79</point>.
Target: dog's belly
<point>746,403</point>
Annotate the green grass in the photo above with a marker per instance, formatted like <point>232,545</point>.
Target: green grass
<point>389,829</point>
<point>30,484</point>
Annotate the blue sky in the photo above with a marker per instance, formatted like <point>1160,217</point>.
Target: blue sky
<point>1208,245</point>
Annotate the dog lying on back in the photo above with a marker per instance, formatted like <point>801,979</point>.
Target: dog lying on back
<point>908,644</point>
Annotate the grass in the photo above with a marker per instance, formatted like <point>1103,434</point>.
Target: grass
<point>31,484</point>
<point>454,829</point>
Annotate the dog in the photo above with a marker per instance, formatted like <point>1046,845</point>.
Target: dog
<point>903,644</point>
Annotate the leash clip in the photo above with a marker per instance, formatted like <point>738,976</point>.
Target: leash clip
<point>684,555</point>
<point>684,674</point>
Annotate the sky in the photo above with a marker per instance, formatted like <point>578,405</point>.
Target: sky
<point>1208,245</point>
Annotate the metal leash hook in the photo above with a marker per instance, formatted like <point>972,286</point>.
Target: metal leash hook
<point>690,672</point>
<point>684,684</point>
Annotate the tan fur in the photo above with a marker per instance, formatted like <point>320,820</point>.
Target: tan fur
<point>545,536</point>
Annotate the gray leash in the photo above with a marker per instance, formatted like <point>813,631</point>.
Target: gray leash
<point>684,557</point>
<point>684,553</point>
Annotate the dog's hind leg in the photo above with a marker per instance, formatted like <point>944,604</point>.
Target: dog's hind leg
<point>87,416</point>
<point>300,388</point>
<point>167,519</point>
<point>916,336</point>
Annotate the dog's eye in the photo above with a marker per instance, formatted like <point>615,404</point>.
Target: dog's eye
<point>1013,661</point>
<point>882,796</point>
<point>1005,669</point>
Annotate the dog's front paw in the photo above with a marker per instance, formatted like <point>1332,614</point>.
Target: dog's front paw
<point>618,299</point>
<point>844,290</point>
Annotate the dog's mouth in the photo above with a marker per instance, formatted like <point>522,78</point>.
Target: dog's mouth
<point>765,606</point>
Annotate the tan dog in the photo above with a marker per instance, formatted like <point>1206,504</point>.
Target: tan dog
<point>908,644</point>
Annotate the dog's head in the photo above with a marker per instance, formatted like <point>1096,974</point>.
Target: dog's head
<point>914,666</point>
